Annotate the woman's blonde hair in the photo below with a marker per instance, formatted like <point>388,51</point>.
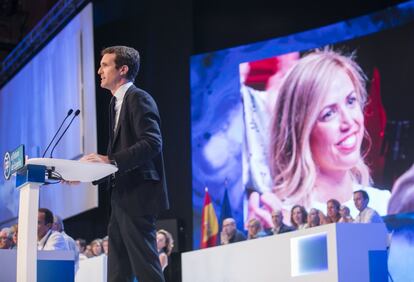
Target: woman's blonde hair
<point>169,241</point>
<point>297,108</point>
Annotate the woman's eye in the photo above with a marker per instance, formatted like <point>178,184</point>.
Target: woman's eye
<point>326,115</point>
<point>351,100</point>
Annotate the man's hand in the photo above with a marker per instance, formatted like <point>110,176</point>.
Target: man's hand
<point>224,239</point>
<point>95,158</point>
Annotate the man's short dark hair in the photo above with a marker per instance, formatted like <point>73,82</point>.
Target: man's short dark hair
<point>125,56</point>
<point>48,215</point>
<point>82,242</point>
<point>363,193</point>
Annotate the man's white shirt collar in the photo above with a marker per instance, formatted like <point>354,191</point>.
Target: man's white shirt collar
<point>42,241</point>
<point>120,92</point>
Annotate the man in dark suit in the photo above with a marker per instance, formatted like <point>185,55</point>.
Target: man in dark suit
<point>229,232</point>
<point>138,190</point>
<point>278,226</point>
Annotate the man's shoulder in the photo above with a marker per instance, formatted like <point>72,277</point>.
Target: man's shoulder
<point>239,236</point>
<point>371,215</point>
<point>138,96</point>
<point>286,228</point>
<point>56,235</point>
<point>71,242</point>
<point>138,92</point>
<point>56,241</point>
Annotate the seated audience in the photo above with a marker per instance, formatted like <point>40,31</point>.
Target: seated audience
<point>254,229</point>
<point>165,244</point>
<point>278,225</point>
<point>345,214</point>
<point>314,218</point>
<point>230,233</point>
<point>332,208</point>
<point>366,214</point>
<point>105,245</point>
<point>96,247</point>
<point>47,239</point>
<point>298,217</point>
<point>6,238</point>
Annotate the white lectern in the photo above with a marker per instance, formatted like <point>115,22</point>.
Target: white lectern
<point>28,180</point>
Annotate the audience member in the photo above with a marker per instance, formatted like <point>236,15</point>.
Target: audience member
<point>254,229</point>
<point>313,218</point>
<point>47,239</point>
<point>332,208</point>
<point>345,214</point>
<point>96,247</point>
<point>105,245</point>
<point>81,245</point>
<point>88,251</point>
<point>278,225</point>
<point>298,217</point>
<point>15,230</point>
<point>366,214</point>
<point>230,233</point>
<point>6,238</point>
<point>165,244</point>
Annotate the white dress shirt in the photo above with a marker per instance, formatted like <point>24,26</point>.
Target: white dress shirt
<point>52,240</point>
<point>119,95</point>
<point>368,215</point>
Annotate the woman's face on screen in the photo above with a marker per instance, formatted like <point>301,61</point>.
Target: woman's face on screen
<point>161,241</point>
<point>337,134</point>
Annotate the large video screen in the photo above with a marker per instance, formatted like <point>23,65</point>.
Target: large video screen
<point>233,98</point>
<point>35,102</point>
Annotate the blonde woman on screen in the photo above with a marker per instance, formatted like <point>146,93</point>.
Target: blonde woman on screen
<point>165,244</point>
<point>316,136</point>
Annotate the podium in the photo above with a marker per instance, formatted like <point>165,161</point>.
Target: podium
<point>339,252</point>
<point>28,180</point>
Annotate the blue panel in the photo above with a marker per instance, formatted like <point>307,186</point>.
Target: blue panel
<point>312,254</point>
<point>378,268</point>
<point>31,173</point>
<point>55,270</point>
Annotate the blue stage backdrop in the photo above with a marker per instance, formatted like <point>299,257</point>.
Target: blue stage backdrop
<point>233,92</point>
<point>34,103</point>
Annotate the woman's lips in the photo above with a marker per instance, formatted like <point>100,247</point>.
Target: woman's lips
<point>348,143</point>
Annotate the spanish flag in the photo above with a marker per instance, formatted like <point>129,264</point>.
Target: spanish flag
<point>209,223</point>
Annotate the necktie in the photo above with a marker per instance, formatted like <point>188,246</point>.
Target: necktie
<point>112,114</point>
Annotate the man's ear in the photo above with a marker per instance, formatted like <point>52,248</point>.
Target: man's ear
<point>124,70</point>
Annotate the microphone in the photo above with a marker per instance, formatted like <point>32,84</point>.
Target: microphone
<point>68,114</point>
<point>67,127</point>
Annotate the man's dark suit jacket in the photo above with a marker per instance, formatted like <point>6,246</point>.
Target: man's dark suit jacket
<point>139,186</point>
<point>283,229</point>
